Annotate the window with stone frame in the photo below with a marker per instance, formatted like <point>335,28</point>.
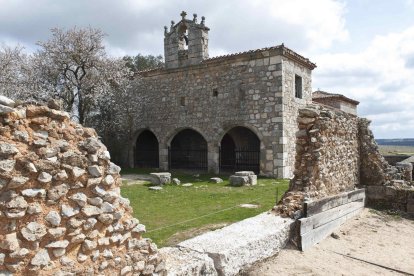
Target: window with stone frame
<point>298,86</point>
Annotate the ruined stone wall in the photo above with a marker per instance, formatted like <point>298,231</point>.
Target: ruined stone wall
<point>327,147</point>
<point>60,205</point>
<point>336,152</point>
<point>251,91</point>
<point>375,170</point>
<point>387,186</point>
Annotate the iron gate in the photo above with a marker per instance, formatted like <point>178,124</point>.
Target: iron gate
<point>191,159</point>
<point>240,159</point>
<point>146,158</point>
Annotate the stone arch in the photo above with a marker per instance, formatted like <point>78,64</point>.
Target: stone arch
<point>145,149</point>
<point>171,136</point>
<point>188,150</point>
<point>244,125</point>
<point>240,150</point>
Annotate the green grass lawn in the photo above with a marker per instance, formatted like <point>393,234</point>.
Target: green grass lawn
<point>177,209</point>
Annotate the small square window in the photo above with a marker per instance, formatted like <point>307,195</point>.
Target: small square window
<point>298,86</point>
<point>215,93</point>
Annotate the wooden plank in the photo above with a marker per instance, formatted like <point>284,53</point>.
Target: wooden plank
<point>308,224</point>
<point>356,195</point>
<point>327,203</point>
<point>318,234</point>
<point>315,207</point>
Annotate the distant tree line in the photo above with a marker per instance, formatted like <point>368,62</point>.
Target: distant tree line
<point>97,90</point>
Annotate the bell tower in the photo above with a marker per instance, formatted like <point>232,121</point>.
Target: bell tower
<point>185,43</point>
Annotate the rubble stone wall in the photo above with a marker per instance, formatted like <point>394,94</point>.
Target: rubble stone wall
<point>387,186</point>
<point>336,152</point>
<point>60,206</point>
<point>327,147</point>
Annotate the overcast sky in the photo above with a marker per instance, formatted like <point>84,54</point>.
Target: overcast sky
<point>364,49</point>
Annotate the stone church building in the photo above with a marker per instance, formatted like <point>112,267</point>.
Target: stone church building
<point>225,113</point>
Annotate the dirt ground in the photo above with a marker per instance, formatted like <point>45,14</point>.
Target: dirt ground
<point>375,238</point>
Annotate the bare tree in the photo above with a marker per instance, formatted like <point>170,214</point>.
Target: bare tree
<point>15,73</point>
<point>73,66</point>
<point>118,117</point>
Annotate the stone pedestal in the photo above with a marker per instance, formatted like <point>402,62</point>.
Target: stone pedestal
<point>244,173</point>
<point>243,178</point>
<point>236,180</point>
<point>160,178</point>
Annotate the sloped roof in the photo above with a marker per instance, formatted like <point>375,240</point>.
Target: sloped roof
<point>280,49</point>
<point>323,95</point>
<point>283,51</point>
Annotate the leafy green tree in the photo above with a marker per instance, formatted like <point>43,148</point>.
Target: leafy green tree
<point>142,62</point>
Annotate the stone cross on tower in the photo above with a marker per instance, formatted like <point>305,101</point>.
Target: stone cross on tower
<point>186,43</point>
<point>183,14</point>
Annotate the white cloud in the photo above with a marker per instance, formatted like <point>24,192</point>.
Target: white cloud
<point>381,77</point>
<point>137,26</point>
<point>302,25</point>
<point>323,19</point>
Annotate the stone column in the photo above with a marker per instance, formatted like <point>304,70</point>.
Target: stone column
<point>213,158</point>
<point>129,154</point>
<point>163,156</point>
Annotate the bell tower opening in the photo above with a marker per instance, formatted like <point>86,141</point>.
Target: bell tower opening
<point>185,43</point>
<point>183,38</point>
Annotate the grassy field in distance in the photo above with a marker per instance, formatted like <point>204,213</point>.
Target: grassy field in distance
<point>396,150</point>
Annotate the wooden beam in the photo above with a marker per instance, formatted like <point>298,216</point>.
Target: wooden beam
<point>324,204</point>
<point>318,234</point>
<point>313,222</point>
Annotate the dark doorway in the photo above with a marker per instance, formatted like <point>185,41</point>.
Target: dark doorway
<point>227,154</point>
<point>188,151</point>
<point>240,151</point>
<point>146,150</point>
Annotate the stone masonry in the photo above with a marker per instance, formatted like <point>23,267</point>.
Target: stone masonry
<point>336,152</point>
<point>337,101</point>
<point>61,212</point>
<point>254,89</point>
